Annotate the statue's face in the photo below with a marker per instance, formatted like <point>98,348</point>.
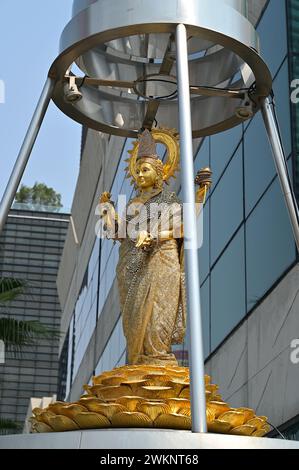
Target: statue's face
<point>146,175</point>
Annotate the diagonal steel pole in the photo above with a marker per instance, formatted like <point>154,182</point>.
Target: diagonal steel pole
<point>196,357</point>
<point>25,151</point>
<point>281,168</point>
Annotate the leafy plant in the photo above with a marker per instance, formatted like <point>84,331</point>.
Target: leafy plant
<point>10,288</point>
<point>20,333</point>
<point>7,426</point>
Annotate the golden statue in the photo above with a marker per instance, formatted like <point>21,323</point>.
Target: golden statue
<point>152,391</point>
<point>150,271</point>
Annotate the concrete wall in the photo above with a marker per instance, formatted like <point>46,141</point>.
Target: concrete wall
<point>253,367</point>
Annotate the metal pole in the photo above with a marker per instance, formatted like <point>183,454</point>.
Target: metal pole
<point>25,151</point>
<point>278,154</point>
<point>196,357</point>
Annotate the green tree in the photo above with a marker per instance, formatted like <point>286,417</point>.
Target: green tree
<point>40,194</point>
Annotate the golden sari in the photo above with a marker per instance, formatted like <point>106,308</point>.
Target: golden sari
<point>152,296</point>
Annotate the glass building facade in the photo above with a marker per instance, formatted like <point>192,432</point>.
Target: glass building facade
<point>31,245</point>
<point>293,30</point>
<point>248,242</point>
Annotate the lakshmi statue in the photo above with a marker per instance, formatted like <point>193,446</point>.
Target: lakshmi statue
<point>150,270</point>
<point>152,391</point>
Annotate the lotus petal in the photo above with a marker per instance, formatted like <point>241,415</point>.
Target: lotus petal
<point>116,380</point>
<point>257,422</point>
<point>218,426</point>
<point>129,419</point>
<point>109,409</point>
<point>89,420</point>
<point>262,431</point>
<point>42,427</point>
<point>177,385</point>
<point>244,430</point>
<point>153,409</point>
<point>134,384</point>
<point>130,402</point>
<point>173,421</point>
<point>184,411</point>
<point>37,411</point>
<point>185,393</point>
<point>212,387</point>
<point>87,389</point>
<point>156,392</point>
<point>248,413</point>
<point>210,414</point>
<point>177,404</point>
<point>113,391</point>
<point>62,423</point>
<point>91,403</point>
<point>157,379</point>
<point>235,418</point>
<point>218,406</point>
<point>44,417</point>
<point>57,407</point>
<point>72,410</point>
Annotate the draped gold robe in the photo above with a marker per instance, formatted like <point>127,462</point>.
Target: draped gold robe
<point>152,296</point>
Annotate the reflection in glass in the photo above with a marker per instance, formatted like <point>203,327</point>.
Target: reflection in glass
<point>281,89</point>
<point>202,158</point>
<point>270,247</point>
<point>272,33</point>
<point>227,205</point>
<point>223,146</point>
<point>228,290</point>
<point>259,165</point>
<point>115,350</point>
<point>204,251</point>
<point>206,319</point>
<point>85,308</point>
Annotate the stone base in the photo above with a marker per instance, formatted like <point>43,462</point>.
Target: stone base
<point>140,439</point>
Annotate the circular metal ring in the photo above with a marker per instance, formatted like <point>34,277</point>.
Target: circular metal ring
<point>222,48</point>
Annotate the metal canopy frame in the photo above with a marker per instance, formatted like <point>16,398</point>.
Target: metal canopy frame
<point>197,19</point>
<point>114,53</point>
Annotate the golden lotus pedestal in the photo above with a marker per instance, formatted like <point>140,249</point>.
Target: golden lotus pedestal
<point>145,396</point>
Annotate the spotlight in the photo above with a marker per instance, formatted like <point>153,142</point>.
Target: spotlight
<point>71,91</point>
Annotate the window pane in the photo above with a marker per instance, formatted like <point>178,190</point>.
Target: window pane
<point>227,205</point>
<point>270,247</point>
<point>202,158</point>
<point>228,290</point>
<point>258,162</point>
<point>205,311</point>
<point>204,251</point>
<point>272,32</point>
<point>223,146</point>
<point>281,89</point>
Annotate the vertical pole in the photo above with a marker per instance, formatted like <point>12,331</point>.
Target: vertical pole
<point>196,357</point>
<point>25,151</point>
<point>282,171</point>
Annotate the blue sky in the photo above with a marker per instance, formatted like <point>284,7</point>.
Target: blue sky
<point>29,39</point>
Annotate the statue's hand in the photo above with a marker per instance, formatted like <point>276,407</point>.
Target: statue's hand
<point>105,197</point>
<point>204,178</point>
<point>144,240</point>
